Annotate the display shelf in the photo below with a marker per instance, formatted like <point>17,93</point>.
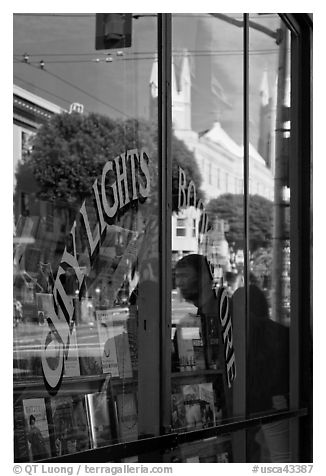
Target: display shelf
<point>71,385</point>
<point>196,373</point>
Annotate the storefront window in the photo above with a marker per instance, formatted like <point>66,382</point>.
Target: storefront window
<point>86,275</point>
<point>207,117</point>
<point>269,236</point>
<point>158,253</point>
<point>220,362</point>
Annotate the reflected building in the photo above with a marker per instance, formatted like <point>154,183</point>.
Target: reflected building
<point>219,157</point>
<point>30,111</point>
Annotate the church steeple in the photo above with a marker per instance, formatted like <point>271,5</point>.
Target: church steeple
<point>153,82</point>
<point>153,91</point>
<point>181,96</point>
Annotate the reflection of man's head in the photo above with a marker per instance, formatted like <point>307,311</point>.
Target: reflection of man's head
<point>193,277</point>
<point>258,305</point>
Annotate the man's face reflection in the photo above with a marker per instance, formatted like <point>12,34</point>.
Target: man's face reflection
<point>186,279</point>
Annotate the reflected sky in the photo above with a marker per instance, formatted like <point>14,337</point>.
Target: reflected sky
<point>75,72</point>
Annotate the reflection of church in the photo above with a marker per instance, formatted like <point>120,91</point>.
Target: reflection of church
<point>219,157</point>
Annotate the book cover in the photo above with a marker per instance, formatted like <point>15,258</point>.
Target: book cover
<point>199,405</point>
<point>186,355</point>
<point>69,425</point>
<point>21,449</point>
<point>37,429</point>
<point>193,414</point>
<point>178,411</point>
<point>199,354</point>
<point>127,417</point>
<point>99,421</point>
<point>62,427</point>
<point>211,342</point>
<point>82,433</point>
<point>107,342</point>
<point>206,397</point>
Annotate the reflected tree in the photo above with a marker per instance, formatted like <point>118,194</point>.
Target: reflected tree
<point>70,150</point>
<point>230,207</point>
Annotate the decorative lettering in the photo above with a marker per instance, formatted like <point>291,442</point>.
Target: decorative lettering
<point>187,196</point>
<point>191,187</point>
<point>110,210</point>
<point>182,189</point>
<point>132,155</point>
<point>115,177</point>
<point>122,179</point>
<point>144,190</point>
<point>227,335</point>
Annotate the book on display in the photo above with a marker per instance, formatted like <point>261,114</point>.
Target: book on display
<point>37,429</point>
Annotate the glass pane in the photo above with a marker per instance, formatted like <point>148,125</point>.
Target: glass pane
<point>85,232</point>
<point>269,231</point>
<point>207,155</point>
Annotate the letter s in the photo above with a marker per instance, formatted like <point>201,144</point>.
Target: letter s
<point>144,190</point>
<point>224,307</point>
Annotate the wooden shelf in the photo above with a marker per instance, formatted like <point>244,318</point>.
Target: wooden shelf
<point>196,373</point>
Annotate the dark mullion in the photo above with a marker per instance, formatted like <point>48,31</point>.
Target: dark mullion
<point>246,194</point>
<point>294,178</point>
<point>304,164</point>
<point>165,193</point>
<point>301,377</point>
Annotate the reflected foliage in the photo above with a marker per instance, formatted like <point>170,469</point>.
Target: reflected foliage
<point>230,207</point>
<point>69,152</point>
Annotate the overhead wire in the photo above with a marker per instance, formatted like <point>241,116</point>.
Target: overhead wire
<point>180,51</point>
<point>33,85</point>
<point>151,55</point>
<point>80,90</point>
<point>97,60</point>
<point>132,55</point>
